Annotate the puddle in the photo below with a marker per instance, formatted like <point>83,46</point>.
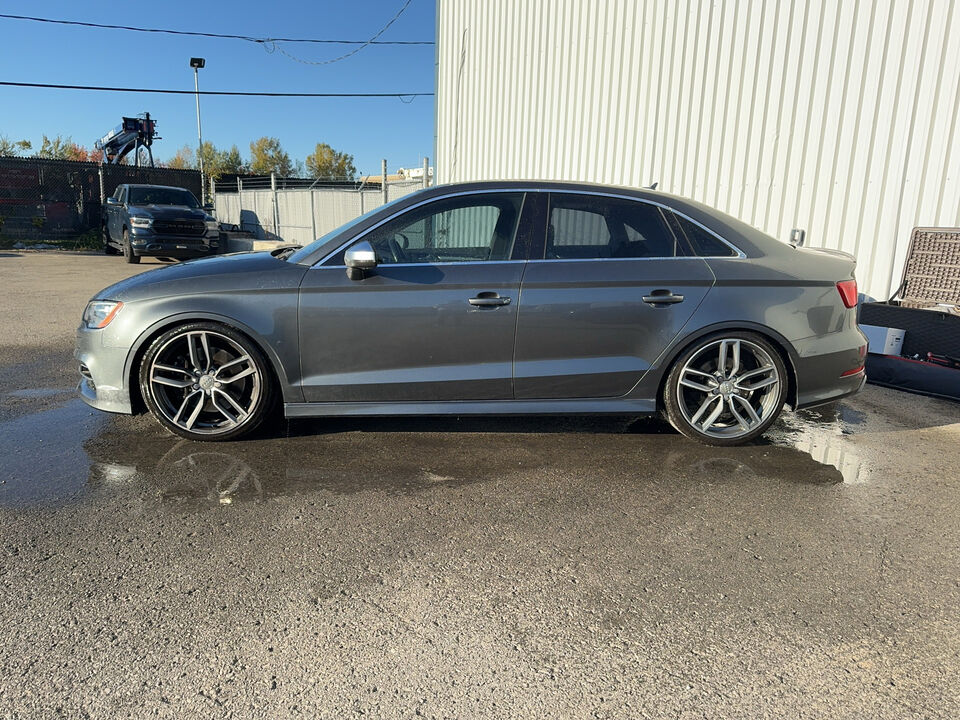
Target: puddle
<point>42,460</point>
<point>61,455</point>
<point>824,434</point>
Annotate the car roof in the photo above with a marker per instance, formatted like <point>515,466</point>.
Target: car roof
<point>164,187</point>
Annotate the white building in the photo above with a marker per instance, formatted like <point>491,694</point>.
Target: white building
<point>839,118</point>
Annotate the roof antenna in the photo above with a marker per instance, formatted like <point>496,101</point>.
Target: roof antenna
<point>652,187</point>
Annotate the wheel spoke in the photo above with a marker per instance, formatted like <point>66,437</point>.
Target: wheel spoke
<point>172,368</point>
<point>171,382</point>
<point>233,419</point>
<point>242,412</point>
<point>196,411</point>
<point>687,382</point>
<point>754,417</point>
<point>183,405</point>
<point>208,358</point>
<point>704,406</point>
<point>712,417</point>
<point>242,358</point>
<point>242,374</point>
<point>742,383</point>
<point>194,353</point>
<point>741,420</point>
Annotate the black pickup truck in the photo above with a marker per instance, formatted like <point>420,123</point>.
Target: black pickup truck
<point>158,221</point>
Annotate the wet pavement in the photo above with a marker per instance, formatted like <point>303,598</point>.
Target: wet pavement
<point>498,567</point>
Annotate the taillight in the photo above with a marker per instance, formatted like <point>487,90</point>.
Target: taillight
<point>848,292</point>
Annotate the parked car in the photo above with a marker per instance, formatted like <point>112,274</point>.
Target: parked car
<point>504,298</point>
<point>158,221</point>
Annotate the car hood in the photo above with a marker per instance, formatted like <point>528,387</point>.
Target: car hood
<point>245,272</point>
<point>168,212</point>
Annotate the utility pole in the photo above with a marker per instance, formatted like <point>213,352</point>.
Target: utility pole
<point>196,64</point>
<point>383,172</point>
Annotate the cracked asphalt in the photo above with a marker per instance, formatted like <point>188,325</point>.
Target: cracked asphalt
<point>483,568</point>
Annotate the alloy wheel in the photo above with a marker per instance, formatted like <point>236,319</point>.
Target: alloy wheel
<point>729,388</point>
<point>204,382</point>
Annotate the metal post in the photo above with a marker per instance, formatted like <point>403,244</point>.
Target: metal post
<point>196,90</point>
<point>313,217</point>
<point>103,195</point>
<point>426,169</point>
<point>383,172</point>
<point>276,205</point>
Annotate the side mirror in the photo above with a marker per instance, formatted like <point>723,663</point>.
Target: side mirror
<point>112,201</point>
<point>359,258</point>
<point>209,207</point>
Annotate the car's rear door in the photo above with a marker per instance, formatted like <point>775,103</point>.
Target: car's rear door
<point>434,321</point>
<point>614,287</point>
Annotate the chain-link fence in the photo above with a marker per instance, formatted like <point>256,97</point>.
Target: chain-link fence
<point>298,210</point>
<point>62,199</point>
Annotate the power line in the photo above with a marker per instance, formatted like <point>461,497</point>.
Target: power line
<point>224,36</point>
<point>347,54</point>
<point>239,93</point>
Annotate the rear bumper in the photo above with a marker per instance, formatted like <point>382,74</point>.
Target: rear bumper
<point>822,363</point>
<point>102,383</point>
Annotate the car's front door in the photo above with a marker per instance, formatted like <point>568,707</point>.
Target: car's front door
<point>613,288</point>
<point>434,321</point>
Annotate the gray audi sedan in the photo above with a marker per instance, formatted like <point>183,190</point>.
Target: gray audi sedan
<point>494,298</point>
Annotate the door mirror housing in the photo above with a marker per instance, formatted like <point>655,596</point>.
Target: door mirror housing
<point>209,207</point>
<point>112,201</point>
<point>359,259</point>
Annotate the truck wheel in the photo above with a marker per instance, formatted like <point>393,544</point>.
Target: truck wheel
<point>108,249</point>
<point>128,249</point>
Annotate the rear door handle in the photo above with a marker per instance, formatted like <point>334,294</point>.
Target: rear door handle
<point>488,299</point>
<point>662,297</point>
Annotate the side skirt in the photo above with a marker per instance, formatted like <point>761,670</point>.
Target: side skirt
<point>588,406</point>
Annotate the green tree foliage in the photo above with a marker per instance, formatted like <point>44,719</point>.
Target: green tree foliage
<point>326,163</point>
<point>14,148</point>
<point>217,163</point>
<point>267,156</point>
<point>57,148</point>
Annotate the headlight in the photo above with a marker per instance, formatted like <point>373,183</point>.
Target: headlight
<point>99,313</point>
<point>141,222</point>
<point>213,225</point>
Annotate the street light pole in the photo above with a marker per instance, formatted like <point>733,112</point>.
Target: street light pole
<point>196,64</point>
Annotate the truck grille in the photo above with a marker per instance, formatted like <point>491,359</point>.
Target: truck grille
<point>179,227</point>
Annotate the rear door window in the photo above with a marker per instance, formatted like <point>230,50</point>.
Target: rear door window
<point>590,227</point>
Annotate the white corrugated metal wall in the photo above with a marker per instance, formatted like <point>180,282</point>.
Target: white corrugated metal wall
<point>836,117</point>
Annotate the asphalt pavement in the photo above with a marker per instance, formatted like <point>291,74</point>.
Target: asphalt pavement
<point>475,568</point>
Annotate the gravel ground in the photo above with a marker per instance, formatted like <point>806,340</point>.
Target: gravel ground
<point>477,568</point>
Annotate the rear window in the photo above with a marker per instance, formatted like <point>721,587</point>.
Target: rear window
<point>703,242</point>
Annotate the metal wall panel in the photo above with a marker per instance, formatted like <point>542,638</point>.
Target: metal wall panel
<point>838,118</point>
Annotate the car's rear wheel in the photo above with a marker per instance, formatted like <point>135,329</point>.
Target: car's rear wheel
<point>128,249</point>
<point>206,381</point>
<point>726,389</point>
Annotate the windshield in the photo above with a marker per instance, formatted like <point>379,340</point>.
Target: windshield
<point>333,239</point>
<point>162,196</point>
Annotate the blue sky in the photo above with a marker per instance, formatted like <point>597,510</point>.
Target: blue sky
<point>368,128</point>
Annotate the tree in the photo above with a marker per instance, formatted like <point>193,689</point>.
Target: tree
<point>13,148</point>
<point>54,148</point>
<point>78,153</point>
<point>326,163</point>
<point>266,156</point>
<point>182,159</point>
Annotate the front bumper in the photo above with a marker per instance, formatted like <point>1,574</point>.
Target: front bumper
<point>147,243</point>
<point>103,384</point>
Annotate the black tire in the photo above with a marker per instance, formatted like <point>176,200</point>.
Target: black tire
<point>108,249</point>
<point>196,409</point>
<point>686,406</point>
<point>128,249</point>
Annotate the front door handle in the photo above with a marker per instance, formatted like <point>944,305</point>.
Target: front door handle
<point>488,299</point>
<point>662,297</point>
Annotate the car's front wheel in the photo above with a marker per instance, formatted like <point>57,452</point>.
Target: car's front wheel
<point>726,389</point>
<point>206,381</point>
<point>128,249</point>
